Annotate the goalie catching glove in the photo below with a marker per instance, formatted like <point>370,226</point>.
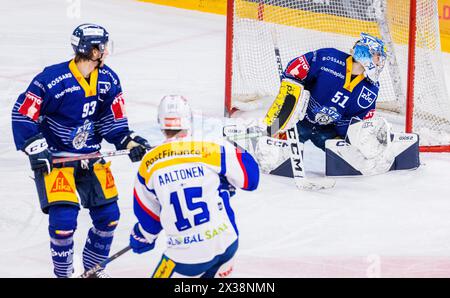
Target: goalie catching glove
<point>371,138</point>
<point>288,108</point>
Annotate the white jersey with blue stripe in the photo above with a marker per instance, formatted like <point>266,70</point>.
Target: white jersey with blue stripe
<point>182,187</point>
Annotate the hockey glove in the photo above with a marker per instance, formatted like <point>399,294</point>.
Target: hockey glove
<point>137,145</point>
<point>40,157</point>
<point>232,190</point>
<point>226,185</point>
<point>370,136</point>
<point>138,242</point>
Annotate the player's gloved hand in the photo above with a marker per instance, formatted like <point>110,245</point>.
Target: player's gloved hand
<point>232,190</point>
<point>40,157</point>
<point>137,145</point>
<point>226,185</point>
<point>138,242</point>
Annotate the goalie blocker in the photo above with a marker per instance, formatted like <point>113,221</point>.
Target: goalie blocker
<point>288,108</point>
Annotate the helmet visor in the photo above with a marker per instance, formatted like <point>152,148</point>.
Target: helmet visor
<point>107,47</point>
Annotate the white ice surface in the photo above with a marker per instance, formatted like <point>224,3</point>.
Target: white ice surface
<point>396,224</point>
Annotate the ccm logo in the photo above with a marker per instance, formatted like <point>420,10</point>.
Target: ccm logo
<point>276,143</point>
<point>38,148</point>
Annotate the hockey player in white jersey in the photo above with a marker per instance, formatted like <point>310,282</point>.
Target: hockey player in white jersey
<point>184,186</point>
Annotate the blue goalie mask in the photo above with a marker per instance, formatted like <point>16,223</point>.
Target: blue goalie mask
<point>87,36</point>
<point>371,53</point>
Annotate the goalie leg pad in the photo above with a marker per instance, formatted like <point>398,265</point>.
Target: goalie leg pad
<point>271,153</point>
<point>288,107</point>
<point>343,159</point>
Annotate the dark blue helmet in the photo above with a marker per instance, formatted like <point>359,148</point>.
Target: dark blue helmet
<point>87,36</point>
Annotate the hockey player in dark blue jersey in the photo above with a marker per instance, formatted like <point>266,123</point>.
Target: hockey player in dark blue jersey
<point>68,109</point>
<point>322,92</point>
<point>336,88</point>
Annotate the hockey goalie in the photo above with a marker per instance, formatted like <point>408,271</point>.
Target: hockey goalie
<point>328,97</point>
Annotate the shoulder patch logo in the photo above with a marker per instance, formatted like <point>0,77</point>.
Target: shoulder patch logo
<point>118,107</point>
<point>299,68</point>
<point>366,97</point>
<point>31,106</point>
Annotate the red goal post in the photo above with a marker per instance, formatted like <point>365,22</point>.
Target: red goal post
<point>413,93</point>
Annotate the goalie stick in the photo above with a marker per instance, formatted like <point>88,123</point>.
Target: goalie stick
<point>295,147</point>
<point>298,169</point>
<point>101,265</point>
<point>296,156</point>
<point>234,133</point>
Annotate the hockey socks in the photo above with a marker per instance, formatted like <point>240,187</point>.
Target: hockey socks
<point>62,225</point>
<point>100,237</point>
<point>61,247</point>
<point>98,245</point>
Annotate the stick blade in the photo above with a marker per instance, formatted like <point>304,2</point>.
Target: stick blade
<point>314,184</point>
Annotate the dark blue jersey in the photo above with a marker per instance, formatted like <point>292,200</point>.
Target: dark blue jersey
<point>336,95</point>
<point>73,114</point>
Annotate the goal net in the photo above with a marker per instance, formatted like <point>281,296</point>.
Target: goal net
<point>413,92</point>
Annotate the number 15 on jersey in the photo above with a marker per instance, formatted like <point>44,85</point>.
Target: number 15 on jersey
<point>189,194</point>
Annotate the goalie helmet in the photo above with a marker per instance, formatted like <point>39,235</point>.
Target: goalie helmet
<point>87,36</point>
<point>371,53</point>
<point>174,113</point>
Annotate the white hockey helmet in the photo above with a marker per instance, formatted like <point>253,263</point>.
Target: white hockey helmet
<point>174,113</point>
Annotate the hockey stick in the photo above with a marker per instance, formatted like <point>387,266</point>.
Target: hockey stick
<point>101,265</point>
<point>298,170</point>
<point>233,133</point>
<point>91,156</point>
<point>296,147</point>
